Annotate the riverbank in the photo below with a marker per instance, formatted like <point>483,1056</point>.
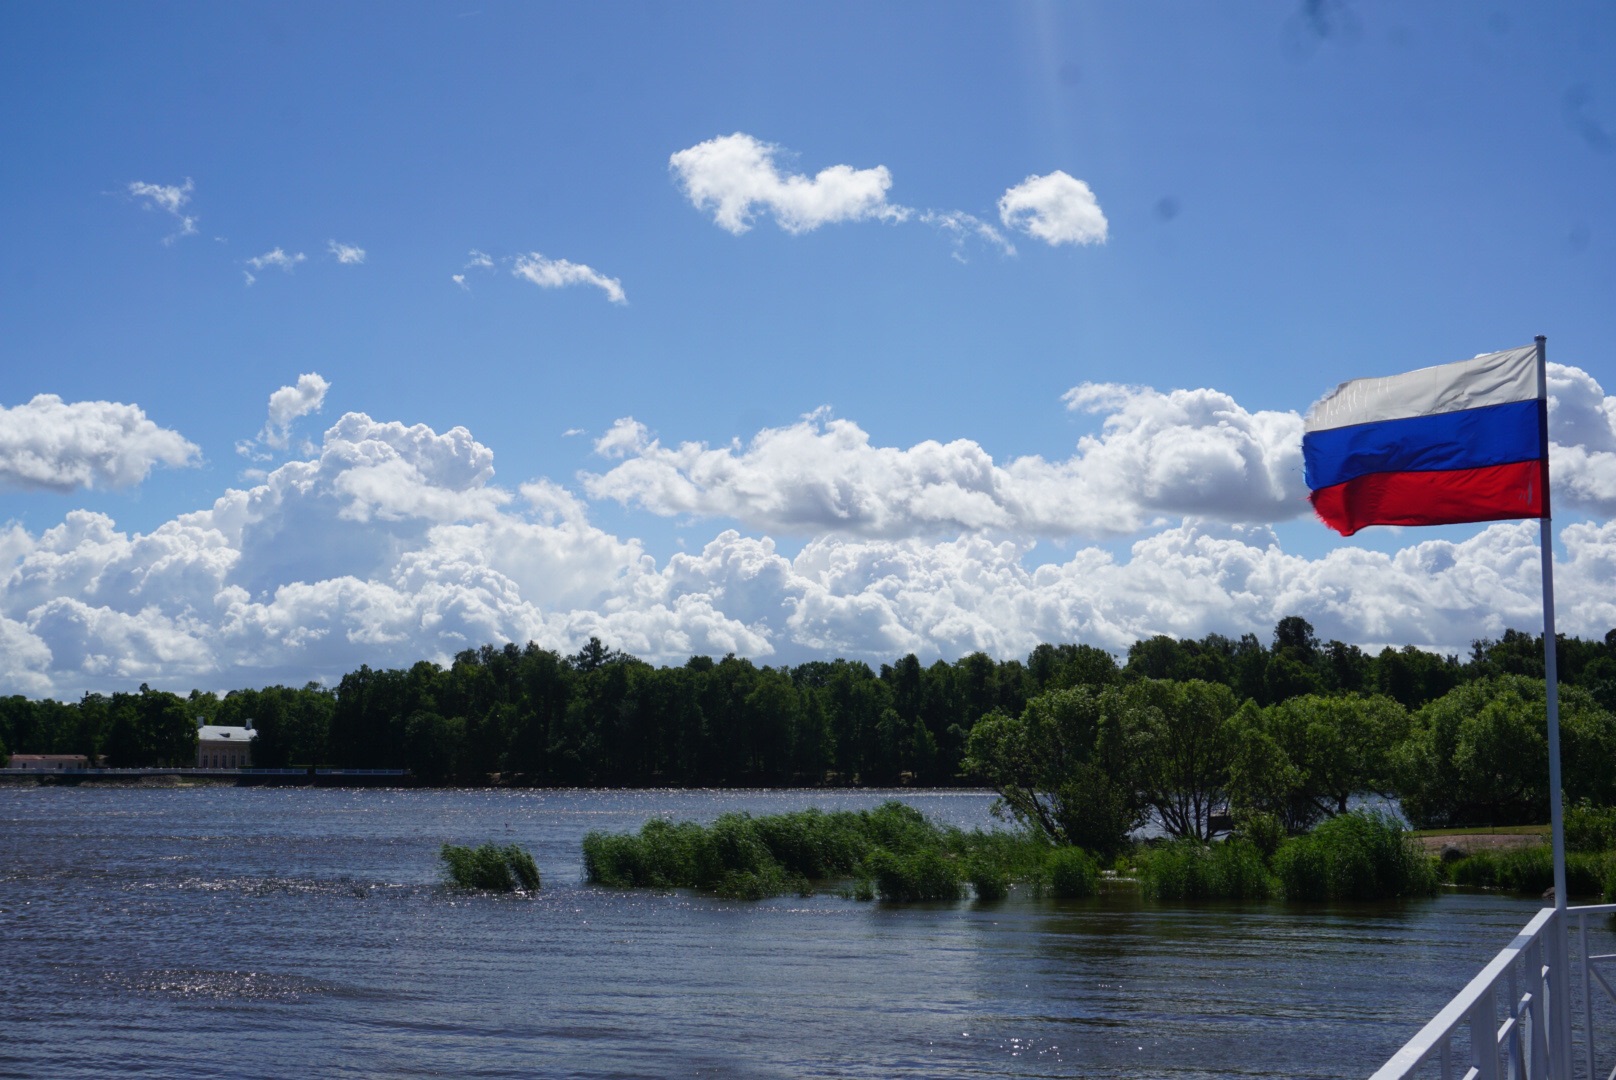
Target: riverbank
<point>1498,838</point>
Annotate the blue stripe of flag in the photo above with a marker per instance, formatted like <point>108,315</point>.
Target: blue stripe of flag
<point>1466,439</point>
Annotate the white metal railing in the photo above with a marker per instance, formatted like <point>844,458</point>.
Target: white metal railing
<point>1591,965</point>
<point>1510,1022</point>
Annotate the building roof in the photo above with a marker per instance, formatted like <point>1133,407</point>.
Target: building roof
<point>220,733</point>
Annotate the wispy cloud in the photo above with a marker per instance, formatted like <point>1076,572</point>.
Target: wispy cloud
<point>347,254</point>
<point>959,227</point>
<point>478,261</point>
<point>1057,209</point>
<point>559,273</point>
<point>736,176</point>
<point>277,258</point>
<point>170,199</point>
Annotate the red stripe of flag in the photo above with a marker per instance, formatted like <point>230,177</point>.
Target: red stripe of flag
<point>1494,493</point>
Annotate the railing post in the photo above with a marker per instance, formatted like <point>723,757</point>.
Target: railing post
<point>1587,993</point>
<point>1560,996</point>
<point>1484,1035</point>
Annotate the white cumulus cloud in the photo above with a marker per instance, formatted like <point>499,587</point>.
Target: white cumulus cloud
<point>1582,434</point>
<point>1158,456</point>
<point>347,254</point>
<point>389,542</point>
<point>559,273</point>
<point>737,176</point>
<point>1057,209</point>
<point>52,445</point>
<point>171,200</point>
<point>291,402</point>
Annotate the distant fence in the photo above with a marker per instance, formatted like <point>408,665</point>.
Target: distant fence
<point>92,774</point>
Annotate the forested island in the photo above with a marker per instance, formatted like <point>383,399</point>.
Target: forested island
<point>1182,731</point>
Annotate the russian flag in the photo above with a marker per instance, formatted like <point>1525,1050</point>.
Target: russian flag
<point>1439,446</point>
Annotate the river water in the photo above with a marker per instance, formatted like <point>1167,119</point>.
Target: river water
<point>221,931</point>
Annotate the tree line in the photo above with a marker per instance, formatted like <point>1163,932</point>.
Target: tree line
<point>1291,727</point>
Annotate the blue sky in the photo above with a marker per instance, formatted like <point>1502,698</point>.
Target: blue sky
<point>1255,201</point>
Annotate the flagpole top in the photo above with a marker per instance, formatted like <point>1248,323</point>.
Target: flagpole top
<point>1540,339</point>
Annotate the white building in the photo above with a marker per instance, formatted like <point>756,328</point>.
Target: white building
<point>49,762</point>
<point>220,747</point>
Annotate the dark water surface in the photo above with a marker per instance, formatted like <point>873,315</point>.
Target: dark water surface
<point>218,931</point>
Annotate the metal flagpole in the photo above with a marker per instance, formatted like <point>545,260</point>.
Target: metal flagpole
<point>1561,999</point>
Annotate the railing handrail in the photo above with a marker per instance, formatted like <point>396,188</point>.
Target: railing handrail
<point>1458,1011</point>
<point>1533,1045</point>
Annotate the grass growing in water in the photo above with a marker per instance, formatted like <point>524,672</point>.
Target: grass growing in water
<point>1531,871</point>
<point>1350,857</point>
<point>893,852</point>
<point>1354,857</point>
<point>923,875</point>
<point>989,880</point>
<point>893,847</point>
<point>1071,873</point>
<point>1190,870</point>
<point>490,867</point>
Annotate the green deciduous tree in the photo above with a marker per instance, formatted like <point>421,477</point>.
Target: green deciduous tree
<point>1479,754</point>
<point>1050,767</point>
<point>1305,758</point>
<point>1179,746</point>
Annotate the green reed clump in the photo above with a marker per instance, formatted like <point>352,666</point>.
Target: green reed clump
<point>1071,873</point>
<point>893,847</point>
<point>1190,870</point>
<point>1530,871</point>
<point>490,867</point>
<point>902,829</point>
<point>922,875</point>
<point>663,856</point>
<point>989,879</point>
<point>1020,853</point>
<point>1356,856</point>
<point>813,844</point>
<point>743,856</point>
